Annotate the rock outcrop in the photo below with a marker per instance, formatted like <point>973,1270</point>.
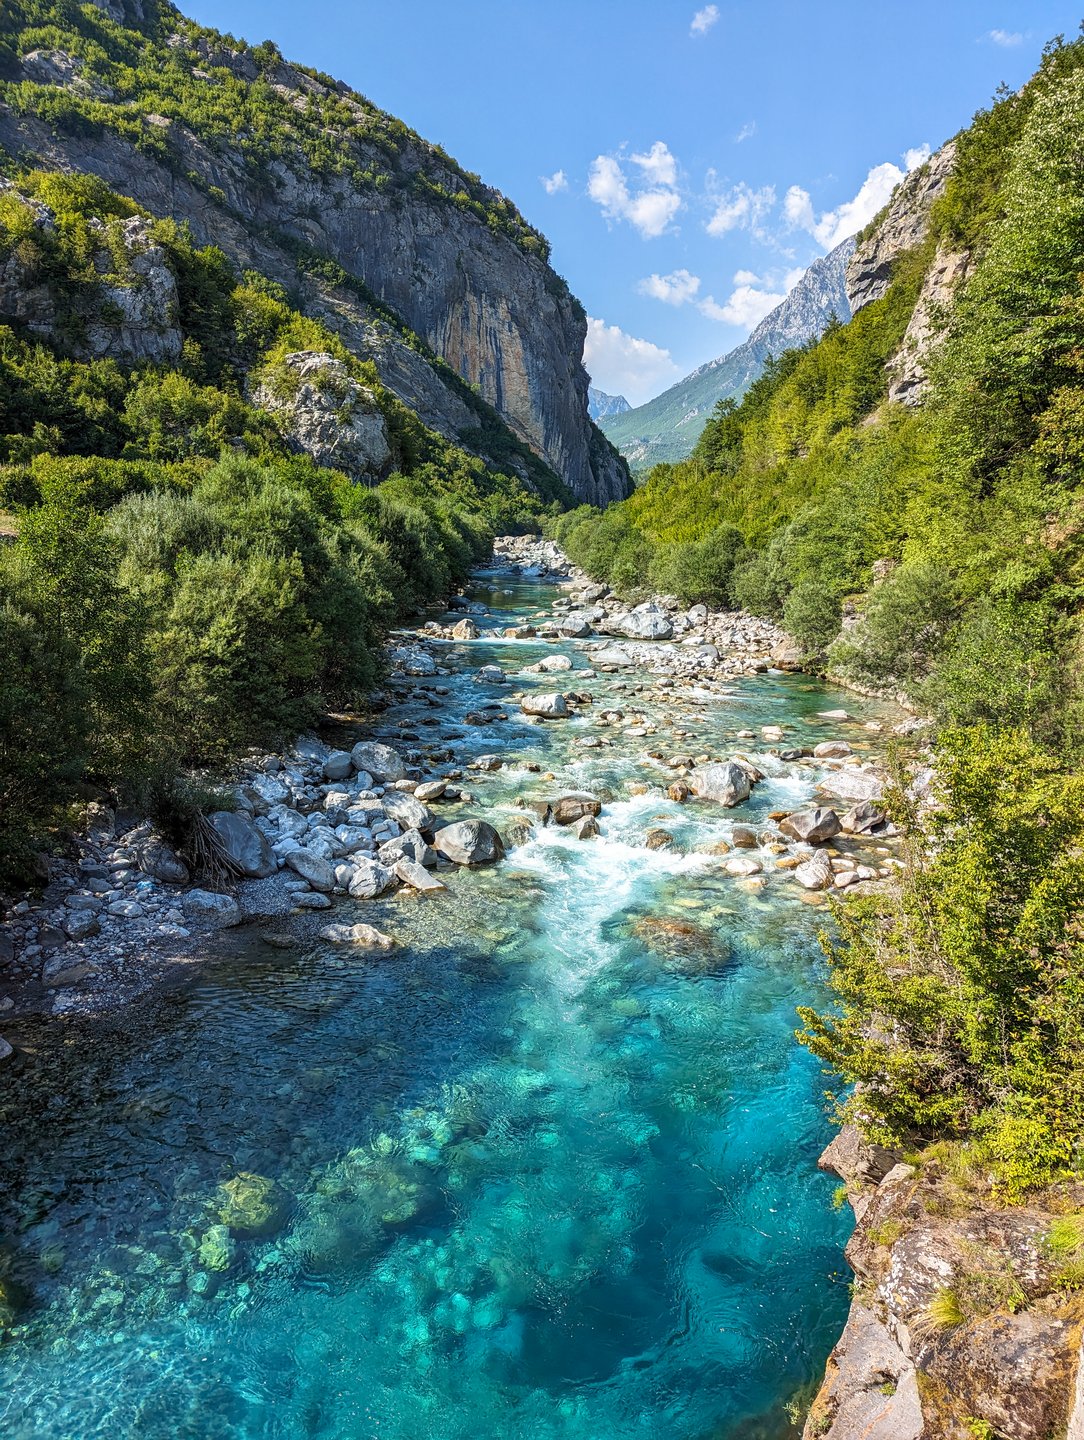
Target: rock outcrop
<point>959,1324</point>
<point>900,227</point>
<point>325,413</point>
<point>489,307</point>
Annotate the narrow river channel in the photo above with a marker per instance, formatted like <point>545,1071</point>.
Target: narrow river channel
<point>547,1170</point>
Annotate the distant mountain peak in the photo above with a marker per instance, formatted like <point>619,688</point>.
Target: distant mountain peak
<point>668,427</point>
<point>601,405</point>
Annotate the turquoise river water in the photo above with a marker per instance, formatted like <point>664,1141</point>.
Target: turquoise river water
<point>548,1170</point>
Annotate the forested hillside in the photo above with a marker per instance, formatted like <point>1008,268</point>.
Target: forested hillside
<point>934,549</point>
<point>183,578</point>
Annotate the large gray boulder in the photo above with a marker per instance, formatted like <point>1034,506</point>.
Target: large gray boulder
<point>469,842</point>
<point>313,868</point>
<point>380,761</point>
<point>550,705</point>
<point>725,782</point>
<point>407,811</point>
<point>370,879</point>
<point>813,827</point>
<point>410,846</point>
<point>162,861</point>
<point>644,625</point>
<point>208,908</point>
<point>246,847</point>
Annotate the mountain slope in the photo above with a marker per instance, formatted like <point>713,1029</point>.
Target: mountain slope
<point>668,427</point>
<point>600,404</point>
<point>382,235</point>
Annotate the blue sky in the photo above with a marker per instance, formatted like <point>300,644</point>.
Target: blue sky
<point>685,160</point>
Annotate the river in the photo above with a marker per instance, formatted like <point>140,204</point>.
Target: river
<point>548,1170</point>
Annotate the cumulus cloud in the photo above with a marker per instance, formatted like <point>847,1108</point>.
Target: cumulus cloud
<point>650,205</point>
<point>742,208</point>
<point>746,307</point>
<point>555,182</point>
<point>704,19</point>
<point>620,364</point>
<point>1005,38</point>
<point>673,289</point>
<point>747,131</point>
<point>752,297</point>
<point>874,193</point>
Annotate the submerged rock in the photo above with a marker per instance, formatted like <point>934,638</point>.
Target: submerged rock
<point>251,1205</point>
<point>362,937</point>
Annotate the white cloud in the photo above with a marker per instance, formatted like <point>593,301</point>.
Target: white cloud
<point>916,156</point>
<point>704,19</point>
<point>651,208</point>
<point>742,208</point>
<point>658,165</point>
<point>673,289</point>
<point>552,183</point>
<point>850,217</point>
<point>746,307</point>
<point>1005,38</point>
<point>747,131</point>
<point>622,365</point>
<point>746,277</point>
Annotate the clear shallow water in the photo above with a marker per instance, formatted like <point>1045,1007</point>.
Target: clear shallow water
<point>548,1171</point>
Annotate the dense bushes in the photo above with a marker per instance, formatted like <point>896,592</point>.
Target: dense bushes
<point>961,994</point>
<point>181,585</point>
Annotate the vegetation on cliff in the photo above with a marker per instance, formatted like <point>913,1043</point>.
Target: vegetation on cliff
<point>182,584</point>
<point>938,551</point>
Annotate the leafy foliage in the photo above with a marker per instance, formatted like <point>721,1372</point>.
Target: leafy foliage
<point>961,993</point>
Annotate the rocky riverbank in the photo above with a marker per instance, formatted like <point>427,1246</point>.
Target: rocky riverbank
<point>962,1323</point>
<point>321,822</point>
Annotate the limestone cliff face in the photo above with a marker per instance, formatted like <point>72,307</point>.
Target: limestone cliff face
<point>495,312</point>
<point>903,227</point>
<point>1006,1354</point>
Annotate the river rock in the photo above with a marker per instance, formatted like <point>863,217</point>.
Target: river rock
<point>417,876</point>
<point>812,827</point>
<point>408,811</point>
<point>815,873</point>
<point>409,846</point>
<point>162,861</point>
<point>743,865</point>
<point>469,842</point>
<point>338,765</point>
<point>575,627</point>
<point>370,879</point>
<point>862,819</point>
<point>586,829</point>
<point>644,625</point>
<point>465,630</point>
<point>850,783</point>
<point>312,867</point>
<point>574,806</point>
<point>550,706</point>
<point>81,925</point>
<point>244,845</point>
<point>726,782</point>
<point>380,761</point>
<point>430,790</point>
<point>831,750</point>
<point>209,908</point>
<point>362,937</point>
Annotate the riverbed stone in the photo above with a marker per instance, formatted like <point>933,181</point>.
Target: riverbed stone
<point>726,782</point>
<point>370,879</point>
<point>407,811</point>
<point>314,868</point>
<point>815,873</point>
<point>813,827</point>
<point>550,705</point>
<point>339,765</point>
<point>245,846</point>
<point>378,760</point>
<point>361,937</point>
<point>469,842</point>
<point>207,907</point>
<point>417,876</point>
